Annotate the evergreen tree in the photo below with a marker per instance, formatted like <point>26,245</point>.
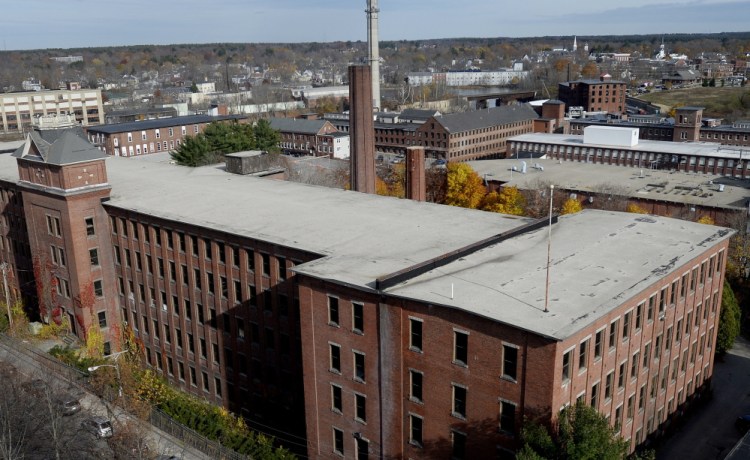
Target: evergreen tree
<point>266,137</point>
<point>729,321</point>
<point>193,151</point>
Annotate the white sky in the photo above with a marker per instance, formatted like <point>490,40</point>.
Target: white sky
<point>32,24</point>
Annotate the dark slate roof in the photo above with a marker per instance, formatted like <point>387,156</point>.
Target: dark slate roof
<point>158,123</point>
<point>485,118</point>
<point>592,82</point>
<point>58,147</point>
<point>150,110</point>
<point>297,125</point>
<point>418,114</point>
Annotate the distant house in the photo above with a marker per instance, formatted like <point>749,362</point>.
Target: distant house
<point>687,77</point>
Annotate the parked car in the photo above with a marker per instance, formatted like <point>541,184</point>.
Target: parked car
<point>68,404</point>
<point>743,423</point>
<point>98,426</point>
<point>439,162</point>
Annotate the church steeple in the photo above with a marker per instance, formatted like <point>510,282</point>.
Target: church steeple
<point>575,43</point>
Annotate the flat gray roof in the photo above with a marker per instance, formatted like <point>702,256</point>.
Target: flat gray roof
<point>706,149</point>
<point>599,260</point>
<point>363,237</point>
<point>245,154</point>
<point>660,185</point>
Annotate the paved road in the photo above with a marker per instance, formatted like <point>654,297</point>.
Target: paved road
<point>160,442</point>
<point>710,432</point>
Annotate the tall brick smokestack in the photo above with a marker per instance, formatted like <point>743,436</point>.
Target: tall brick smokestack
<point>415,175</point>
<point>361,129</point>
<point>373,49</point>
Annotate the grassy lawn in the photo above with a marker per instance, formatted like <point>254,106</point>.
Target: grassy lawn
<point>731,103</point>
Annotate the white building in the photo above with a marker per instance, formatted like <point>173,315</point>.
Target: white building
<point>206,87</point>
<point>18,109</point>
<point>471,78</point>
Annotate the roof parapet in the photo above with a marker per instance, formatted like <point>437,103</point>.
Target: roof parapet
<point>392,279</point>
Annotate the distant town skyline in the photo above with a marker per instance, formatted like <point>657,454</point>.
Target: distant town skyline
<point>38,24</point>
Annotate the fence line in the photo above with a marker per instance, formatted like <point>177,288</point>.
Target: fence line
<point>158,418</point>
<point>196,440</point>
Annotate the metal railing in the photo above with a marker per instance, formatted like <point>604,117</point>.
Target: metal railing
<point>25,351</point>
<point>192,438</point>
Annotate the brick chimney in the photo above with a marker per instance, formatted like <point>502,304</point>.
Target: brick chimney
<point>361,129</point>
<point>415,175</point>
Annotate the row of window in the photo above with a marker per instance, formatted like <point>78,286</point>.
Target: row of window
<point>643,396</point>
<point>157,134</point>
<point>458,441</point>
<point>637,364</point>
<point>460,338</point>
<point>662,343</point>
<point>210,249</point>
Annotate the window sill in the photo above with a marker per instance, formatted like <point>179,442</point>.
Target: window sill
<point>416,444</point>
<point>508,378</point>
<point>416,401</point>
<point>358,380</point>
<point>416,350</point>
<point>458,416</point>
<point>460,364</point>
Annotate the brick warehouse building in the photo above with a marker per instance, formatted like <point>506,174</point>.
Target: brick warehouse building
<point>457,136</point>
<point>391,327</point>
<point>603,95</point>
<point>151,136</point>
<point>693,157</point>
<point>689,126</point>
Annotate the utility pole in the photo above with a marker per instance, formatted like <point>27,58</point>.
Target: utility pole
<point>4,268</point>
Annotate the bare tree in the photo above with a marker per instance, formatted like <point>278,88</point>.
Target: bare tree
<point>610,197</point>
<point>13,428</point>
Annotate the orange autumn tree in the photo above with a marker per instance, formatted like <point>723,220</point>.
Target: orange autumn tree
<point>465,188</point>
<point>93,336</point>
<point>571,206</point>
<point>509,200</point>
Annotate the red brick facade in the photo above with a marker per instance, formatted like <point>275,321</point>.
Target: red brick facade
<point>652,335</point>
<point>594,95</point>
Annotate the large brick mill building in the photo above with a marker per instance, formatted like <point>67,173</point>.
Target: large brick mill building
<point>371,326</point>
<point>603,95</point>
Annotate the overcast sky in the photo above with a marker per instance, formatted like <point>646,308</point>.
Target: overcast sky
<point>33,24</point>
